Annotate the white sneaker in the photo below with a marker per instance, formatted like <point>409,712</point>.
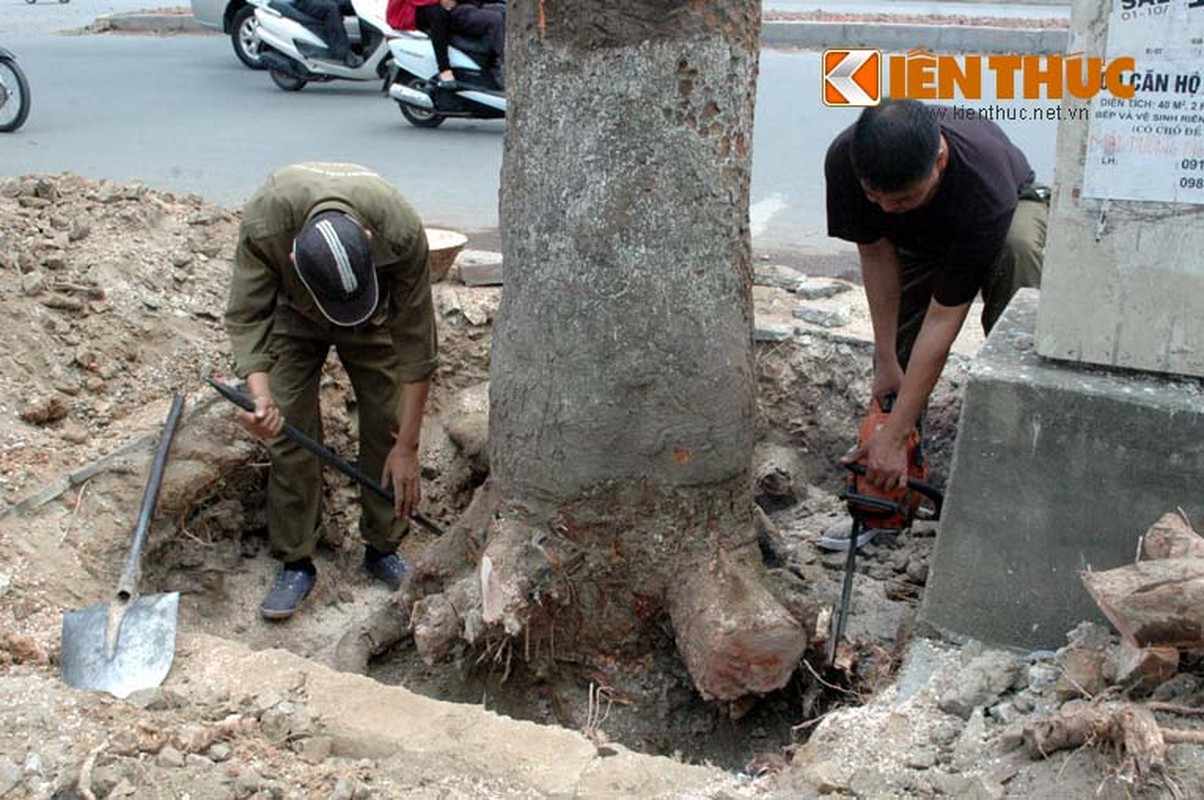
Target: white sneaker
<point>836,537</point>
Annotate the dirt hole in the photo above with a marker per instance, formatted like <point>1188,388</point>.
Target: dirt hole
<point>217,557</point>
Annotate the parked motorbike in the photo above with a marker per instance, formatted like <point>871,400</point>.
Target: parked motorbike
<point>293,50</point>
<point>413,73</point>
<point>14,93</point>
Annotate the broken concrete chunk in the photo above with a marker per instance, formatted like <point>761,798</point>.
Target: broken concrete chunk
<point>1086,671</point>
<point>869,782</point>
<point>827,777</point>
<point>820,288</point>
<point>10,775</point>
<point>33,283</point>
<point>836,317</point>
<point>1177,688</point>
<point>772,332</point>
<point>480,267</point>
<point>777,275</point>
<point>220,752</point>
<point>170,757</point>
<point>981,682</point>
<point>316,749</point>
<point>964,786</point>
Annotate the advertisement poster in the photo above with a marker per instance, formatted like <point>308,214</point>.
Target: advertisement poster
<point>1151,146</point>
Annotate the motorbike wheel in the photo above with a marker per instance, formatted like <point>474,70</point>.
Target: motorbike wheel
<point>242,36</point>
<point>420,117</point>
<point>289,83</point>
<point>14,96</point>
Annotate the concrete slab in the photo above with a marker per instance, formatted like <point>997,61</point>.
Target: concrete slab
<point>1057,468</point>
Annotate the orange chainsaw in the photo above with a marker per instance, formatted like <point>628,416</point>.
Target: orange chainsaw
<point>871,507</point>
<point>894,509</point>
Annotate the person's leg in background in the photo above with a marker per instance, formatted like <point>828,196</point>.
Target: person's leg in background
<point>435,21</point>
<point>483,23</point>
<point>1019,265</point>
<point>328,13</point>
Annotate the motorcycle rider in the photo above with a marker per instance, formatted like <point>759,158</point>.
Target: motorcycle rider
<point>441,19</point>
<point>330,14</point>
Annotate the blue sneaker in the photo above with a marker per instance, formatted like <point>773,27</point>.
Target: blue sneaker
<point>293,583</point>
<point>388,568</point>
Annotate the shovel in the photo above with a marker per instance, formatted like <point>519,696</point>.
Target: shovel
<point>129,643</point>
<point>325,453</point>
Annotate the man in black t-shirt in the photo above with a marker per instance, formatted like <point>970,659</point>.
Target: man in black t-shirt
<point>940,209</point>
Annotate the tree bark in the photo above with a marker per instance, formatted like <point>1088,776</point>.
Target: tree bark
<point>1153,603</point>
<point>622,379</point>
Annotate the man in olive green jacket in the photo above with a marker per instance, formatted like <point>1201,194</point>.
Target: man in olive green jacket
<point>330,255</point>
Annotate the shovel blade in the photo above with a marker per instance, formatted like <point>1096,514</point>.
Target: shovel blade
<point>136,655</point>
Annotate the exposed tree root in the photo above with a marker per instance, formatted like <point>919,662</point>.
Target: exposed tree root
<point>1129,727</point>
<point>373,635</point>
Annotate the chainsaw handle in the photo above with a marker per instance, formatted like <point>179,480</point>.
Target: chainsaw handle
<point>927,489</point>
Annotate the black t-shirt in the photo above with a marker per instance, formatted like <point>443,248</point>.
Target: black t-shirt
<point>965,223</point>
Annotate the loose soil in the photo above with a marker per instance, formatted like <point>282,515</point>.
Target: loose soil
<point>113,295</point>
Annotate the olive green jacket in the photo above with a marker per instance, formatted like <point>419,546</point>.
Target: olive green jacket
<point>267,296</point>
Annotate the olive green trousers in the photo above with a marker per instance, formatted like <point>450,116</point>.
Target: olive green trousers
<point>294,494</point>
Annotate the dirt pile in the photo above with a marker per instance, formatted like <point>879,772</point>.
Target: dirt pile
<point>112,296</point>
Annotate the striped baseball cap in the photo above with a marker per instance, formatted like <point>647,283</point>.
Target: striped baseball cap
<point>333,257</point>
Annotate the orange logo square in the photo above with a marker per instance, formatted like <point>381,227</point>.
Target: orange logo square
<point>852,77</point>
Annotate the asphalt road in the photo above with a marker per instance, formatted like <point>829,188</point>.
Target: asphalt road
<point>182,114</point>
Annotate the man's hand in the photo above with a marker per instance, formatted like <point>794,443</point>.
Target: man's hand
<point>266,420</point>
<point>885,456</point>
<point>404,472</point>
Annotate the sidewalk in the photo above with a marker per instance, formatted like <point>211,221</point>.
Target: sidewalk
<point>945,27</point>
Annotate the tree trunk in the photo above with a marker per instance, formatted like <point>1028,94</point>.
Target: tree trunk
<point>622,375</point>
<point>1154,603</point>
